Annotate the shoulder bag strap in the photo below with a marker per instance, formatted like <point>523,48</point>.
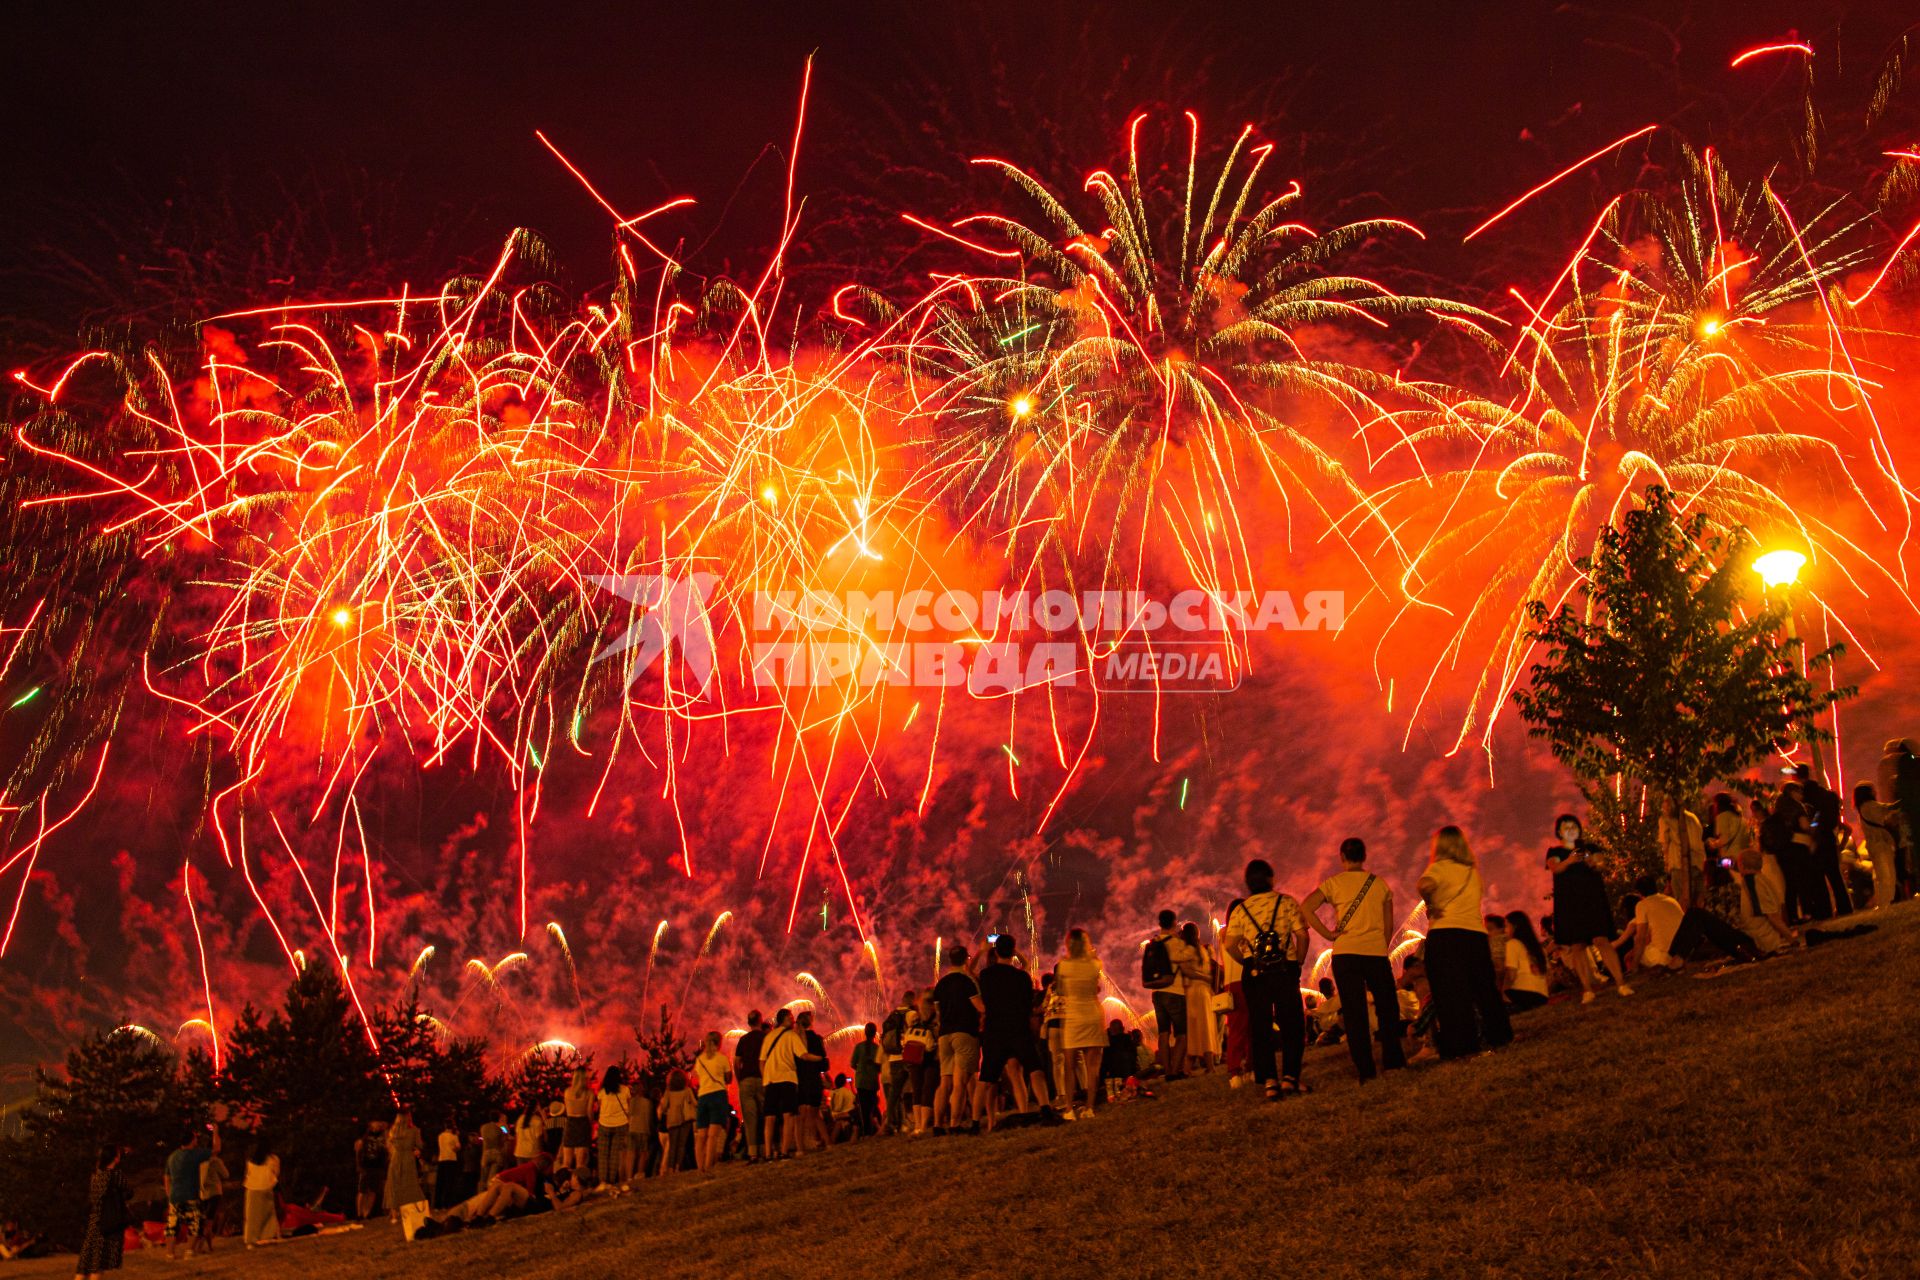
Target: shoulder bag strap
<point>1346,916</point>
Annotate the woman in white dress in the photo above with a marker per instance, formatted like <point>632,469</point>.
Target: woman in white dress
<point>1085,1034</point>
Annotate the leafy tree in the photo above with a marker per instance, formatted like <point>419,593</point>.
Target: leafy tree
<point>1662,681</point>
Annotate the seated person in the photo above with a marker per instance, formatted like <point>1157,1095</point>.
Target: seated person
<point>1664,935</point>
<point>508,1191</point>
<point>1328,1024</point>
<point>843,1109</point>
<point>1121,1057</point>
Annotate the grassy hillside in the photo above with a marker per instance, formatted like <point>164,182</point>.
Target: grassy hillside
<point>1763,1123</point>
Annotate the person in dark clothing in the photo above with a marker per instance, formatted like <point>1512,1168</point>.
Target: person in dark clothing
<point>1787,836</point>
<point>1006,1034</point>
<point>746,1075</point>
<point>1823,822</point>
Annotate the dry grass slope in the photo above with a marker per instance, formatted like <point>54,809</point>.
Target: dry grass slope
<point>1763,1124</point>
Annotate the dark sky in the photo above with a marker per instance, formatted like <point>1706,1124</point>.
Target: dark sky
<point>410,127</point>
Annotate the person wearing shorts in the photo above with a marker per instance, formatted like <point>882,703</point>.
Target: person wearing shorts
<point>958,999</point>
<point>1006,1033</point>
<point>712,1114</point>
<point>183,1190</point>
<point>780,1057</point>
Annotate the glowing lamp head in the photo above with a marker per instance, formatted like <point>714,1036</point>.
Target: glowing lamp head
<point>343,617</point>
<point>1779,568</point>
<point>1022,406</point>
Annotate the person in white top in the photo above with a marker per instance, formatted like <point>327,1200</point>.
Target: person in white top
<point>1268,936</point>
<point>1459,967</point>
<point>614,1105</point>
<point>1664,934</point>
<point>1523,972</point>
<point>1878,824</point>
<point>262,1220</point>
<point>1363,926</point>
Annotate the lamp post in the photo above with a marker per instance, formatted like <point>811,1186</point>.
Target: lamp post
<point>1780,570</point>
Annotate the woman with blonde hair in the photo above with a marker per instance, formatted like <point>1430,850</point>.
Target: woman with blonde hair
<point>1459,965</point>
<point>578,1135</point>
<point>1084,1035</point>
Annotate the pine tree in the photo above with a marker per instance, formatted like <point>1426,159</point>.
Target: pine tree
<point>663,1050</point>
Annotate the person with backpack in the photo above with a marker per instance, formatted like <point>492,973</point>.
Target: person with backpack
<point>1363,927</point>
<point>893,1030</point>
<point>1268,936</point>
<point>781,1056</point>
<point>1162,964</point>
<point>753,1090</point>
<point>1458,966</point>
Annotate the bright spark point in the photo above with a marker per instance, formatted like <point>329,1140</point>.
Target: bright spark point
<point>1022,406</point>
<point>343,617</point>
<point>1709,327</point>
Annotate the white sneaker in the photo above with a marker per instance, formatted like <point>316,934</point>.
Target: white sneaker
<point>1586,997</point>
<point>1236,1082</point>
<point>1625,990</point>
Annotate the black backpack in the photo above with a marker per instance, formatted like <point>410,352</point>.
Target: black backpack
<point>1156,966</point>
<point>1269,949</point>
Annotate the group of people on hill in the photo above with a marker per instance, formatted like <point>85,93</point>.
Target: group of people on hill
<point>988,1046</point>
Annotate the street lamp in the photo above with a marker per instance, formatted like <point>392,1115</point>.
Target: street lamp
<point>1780,570</point>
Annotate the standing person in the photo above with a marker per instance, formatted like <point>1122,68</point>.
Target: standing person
<point>1161,963</point>
<point>1236,1044</point>
<point>1199,979</point>
<point>1823,824</point>
<point>1523,972</point>
<point>677,1112</point>
<point>370,1169</point>
<point>643,1127</point>
<point>1788,836</point>
<point>1083,1029</point>
<point>920,1050</point>
<point>1684,850</point>
<point>182,1180</point>
<point>1053,1031</point>
<point>213,1189</point>
<point>812,1072</point>
<point>403,1163</point>
<point>527,1131</point>
<point>712,1115</point>
<point>958,997</point>
<point>1733,844</point>
<point>614,1105</point>
<point>1582,914</point>
<point>780,1058</point>
<point>866,1080</point>
<point>494,1136</point>
<point>1458,966</point>
<point>446,1169</point>
<point>753,1091</point>
<point>1878,825</point>
<point>262,1219</point>
<point>893,1043</point>
<point>1008,1047</point>
<point>105,1239</point>
<point>1897,784</point>
<point>1268,936</point>
<point>1363,924</point>
<point>577,1137</point>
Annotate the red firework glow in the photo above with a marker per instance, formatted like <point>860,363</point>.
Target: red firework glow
<point>354,557</point>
